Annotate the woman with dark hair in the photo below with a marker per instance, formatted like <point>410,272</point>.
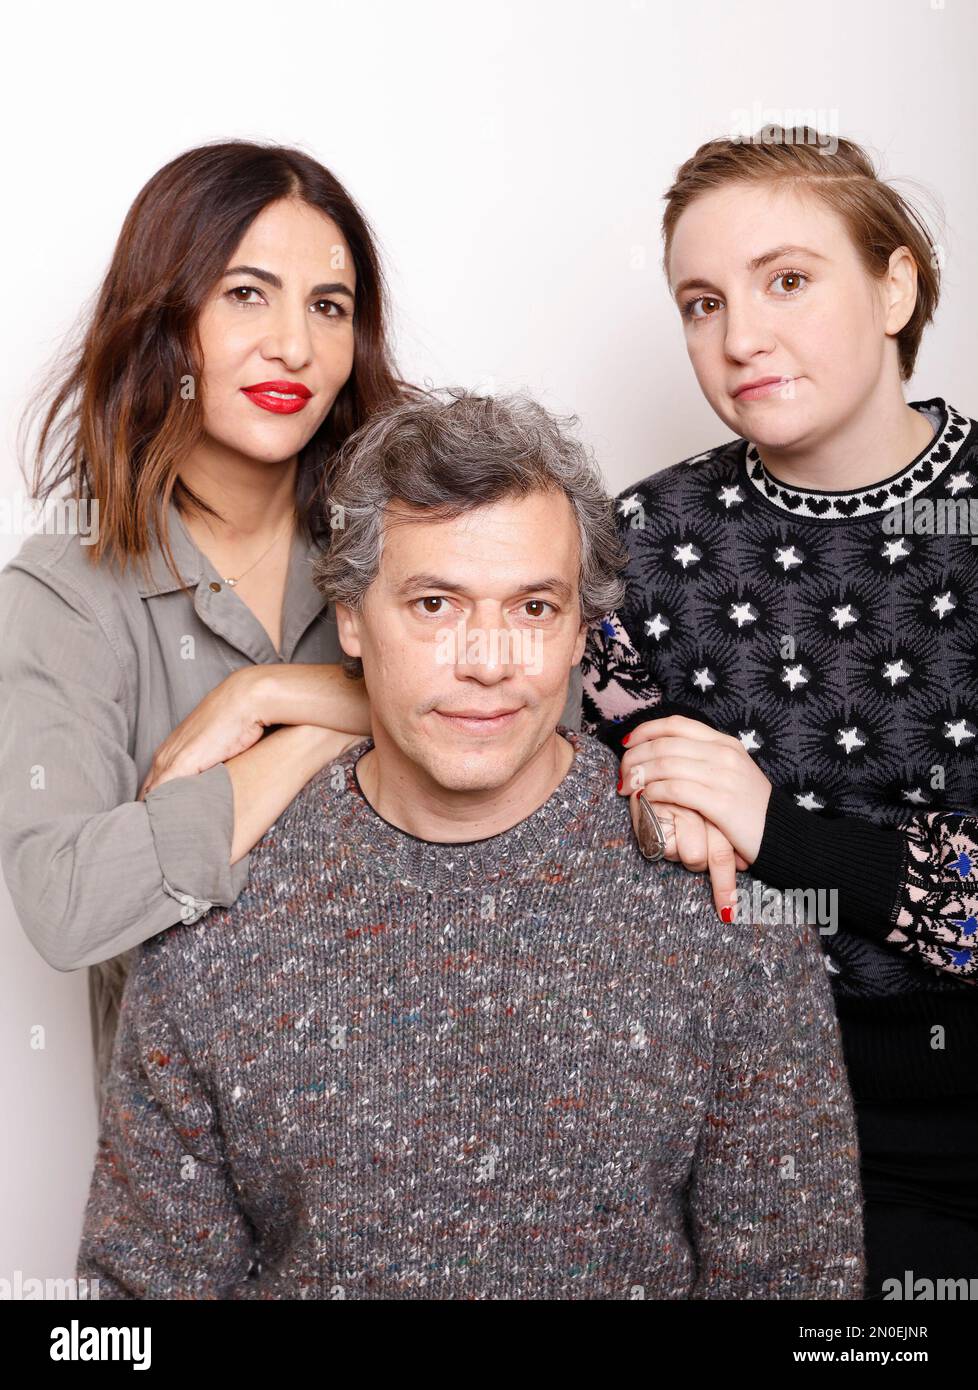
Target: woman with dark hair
<point>792,673</point>
<point>238,339</point>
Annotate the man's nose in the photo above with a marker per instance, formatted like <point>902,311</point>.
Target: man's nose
<point>488,650</point>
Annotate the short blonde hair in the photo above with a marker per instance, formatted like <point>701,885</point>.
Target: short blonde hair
<point>843,175</point>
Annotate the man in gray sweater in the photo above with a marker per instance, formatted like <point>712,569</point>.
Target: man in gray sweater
<point>457,1038</point>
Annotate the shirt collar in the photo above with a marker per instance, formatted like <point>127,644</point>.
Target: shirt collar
<point>190,561</point>
<point>303,601</point>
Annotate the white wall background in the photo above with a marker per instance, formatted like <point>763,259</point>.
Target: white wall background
<point>511,158</point>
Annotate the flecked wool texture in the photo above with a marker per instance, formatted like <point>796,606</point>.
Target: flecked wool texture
<point>532,1066</point>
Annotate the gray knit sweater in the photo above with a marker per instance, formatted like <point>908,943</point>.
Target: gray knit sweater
<point>532,1066</point>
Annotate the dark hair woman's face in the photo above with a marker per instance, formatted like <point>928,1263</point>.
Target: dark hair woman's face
<point>281,319</point>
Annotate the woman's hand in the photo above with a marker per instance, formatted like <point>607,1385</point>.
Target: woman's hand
<point>684,763</point>
<point>228,720</point>
<point>233,716</point>
<point>698,846</point>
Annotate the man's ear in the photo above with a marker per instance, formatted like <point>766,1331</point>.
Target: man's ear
<point>348,627</point>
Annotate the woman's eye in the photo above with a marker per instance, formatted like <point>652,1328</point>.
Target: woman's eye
<point>537,603</point>
<point>706,302</point>
<point>328,308</point>
<point>793,280</point>
<point>242,289</point>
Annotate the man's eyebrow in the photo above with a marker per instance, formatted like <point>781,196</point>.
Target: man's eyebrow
<point>438,584</point>
<point>775,254</point>
<point>334,287</point>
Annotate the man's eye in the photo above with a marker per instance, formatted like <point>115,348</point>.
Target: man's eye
<point>431,601</point>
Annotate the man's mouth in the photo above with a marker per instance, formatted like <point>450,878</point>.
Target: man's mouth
<point>479,721</point>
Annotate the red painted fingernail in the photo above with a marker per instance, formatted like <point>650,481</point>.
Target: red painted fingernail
<point>726,914</point>
<point>626,738</point>
<point>619,783</point>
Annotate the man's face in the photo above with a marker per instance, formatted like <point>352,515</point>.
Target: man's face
<point>468,636</point>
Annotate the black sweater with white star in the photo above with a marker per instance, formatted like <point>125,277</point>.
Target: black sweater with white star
<point>836,633</point>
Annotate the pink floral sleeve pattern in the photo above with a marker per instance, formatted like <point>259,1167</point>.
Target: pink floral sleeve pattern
<point>615,678</point>
<point>937,908</point>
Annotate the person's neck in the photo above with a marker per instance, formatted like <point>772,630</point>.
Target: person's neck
<point>254,498</point>
<point>878,440</point>
<point>406,796</point>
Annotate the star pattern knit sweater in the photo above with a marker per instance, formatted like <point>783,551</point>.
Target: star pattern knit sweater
<point>532,1066</point>
<point>836,635</point>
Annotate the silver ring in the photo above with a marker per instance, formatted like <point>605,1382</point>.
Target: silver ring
<point>651,837</point>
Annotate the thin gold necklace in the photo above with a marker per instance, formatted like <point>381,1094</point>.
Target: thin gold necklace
<point>232,582</point>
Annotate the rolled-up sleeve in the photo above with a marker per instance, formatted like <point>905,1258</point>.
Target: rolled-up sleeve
<point>91,871</point>
<point>192,822</point>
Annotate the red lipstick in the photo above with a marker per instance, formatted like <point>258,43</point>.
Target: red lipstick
<point>280,397</point>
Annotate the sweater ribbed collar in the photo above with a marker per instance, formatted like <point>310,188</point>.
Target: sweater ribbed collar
<point>935,460</point>
<point>587,789</point>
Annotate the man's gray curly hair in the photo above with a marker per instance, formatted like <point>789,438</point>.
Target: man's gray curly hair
<point>450,457</point>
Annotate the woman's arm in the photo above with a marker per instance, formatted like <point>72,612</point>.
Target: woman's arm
<point>247,704</point>
<point>617,689</point>
<point>617,695</point>
<point>268,776</point>
<point>91,868</point>
<point>303,693</point>
<point>914,888</point>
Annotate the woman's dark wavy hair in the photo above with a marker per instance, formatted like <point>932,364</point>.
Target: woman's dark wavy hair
<point>113,422</point>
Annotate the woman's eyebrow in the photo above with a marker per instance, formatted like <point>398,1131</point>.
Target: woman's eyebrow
<point>334,287</point>
<point>779,251</point>
<point>775,254</point>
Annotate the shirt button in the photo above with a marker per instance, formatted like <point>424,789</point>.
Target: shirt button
<point>215,586</point>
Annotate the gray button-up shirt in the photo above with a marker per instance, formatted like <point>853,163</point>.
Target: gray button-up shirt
<point>97,668</point>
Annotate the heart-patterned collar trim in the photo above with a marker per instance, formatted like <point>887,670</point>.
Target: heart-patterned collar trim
<point>919,474</point>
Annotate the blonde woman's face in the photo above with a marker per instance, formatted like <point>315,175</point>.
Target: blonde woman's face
<point>280,318</point>
<point>770,286</point>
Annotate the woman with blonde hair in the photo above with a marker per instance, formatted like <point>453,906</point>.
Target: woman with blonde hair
<point>791,678</point>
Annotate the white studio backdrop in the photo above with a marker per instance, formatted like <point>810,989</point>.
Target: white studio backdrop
<point>511,158</point>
